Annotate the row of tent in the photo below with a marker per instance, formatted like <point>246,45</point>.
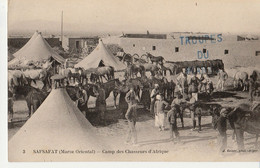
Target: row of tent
<point>57,125</point>
<point>37,49</point>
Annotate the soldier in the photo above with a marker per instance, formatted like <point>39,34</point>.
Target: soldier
<point>153,95</point>
<point>172,119</point>
<point>159,108</point>
<point>222,77</point>
<point>220,123</point>
<point>131,116</point>
<point>191,103</point>
<point>182,83</point>
<point>194,83</point>
<point>177,104</point>
<point>101,101</point>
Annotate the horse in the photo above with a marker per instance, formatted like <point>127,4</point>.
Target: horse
<point>16,78</point>
<point>127,58</point>
<point>139,61</point>
<point>245,118</point>
<point>241,81</point>
<point>107,72</point>
<point>136,83</point>
<point>156,59</point>
<point>78,97</point>
<point>171,67</point>
<point>108,86</point>
<point>152,68</point>
<point>132,70</point>
<point>33,97</point>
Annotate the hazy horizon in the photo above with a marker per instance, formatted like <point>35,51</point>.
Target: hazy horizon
<point>135,16</point>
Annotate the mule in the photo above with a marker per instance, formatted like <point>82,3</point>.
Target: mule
<point>107,72</point>
<point>108,86</point>
<point>241,81</point>
<point>152,68</point>
<point>33,97</point>
<point>247,120</point>
<point>156,59</point>
<point>133,70</point>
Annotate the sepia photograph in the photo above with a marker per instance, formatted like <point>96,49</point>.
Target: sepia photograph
<point>133,81</point>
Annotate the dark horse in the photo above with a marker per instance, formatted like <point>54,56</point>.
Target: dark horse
<point>108,86</point>
<point>78,96</point>
<point>156,59</point>
<point>242,119</point>
<point>245,119</point>
<point>33,97</point>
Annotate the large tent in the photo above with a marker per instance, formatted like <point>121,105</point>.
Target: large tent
<point>100,55</point>
<point>36,49</point>
<point>56,125</point>
<point>27,45</point>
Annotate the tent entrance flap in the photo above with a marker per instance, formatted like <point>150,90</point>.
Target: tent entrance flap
<point>101,63</point>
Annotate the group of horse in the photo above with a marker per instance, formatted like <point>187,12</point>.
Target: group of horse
<point>19,84</point>
<point>158,65</point>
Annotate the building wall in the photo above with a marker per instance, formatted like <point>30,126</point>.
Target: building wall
<point>83,43</point>
<point>240,53</point>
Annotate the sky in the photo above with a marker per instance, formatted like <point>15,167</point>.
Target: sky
<point>233,16</point>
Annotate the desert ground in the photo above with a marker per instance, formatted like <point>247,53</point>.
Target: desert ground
<point>194,146</point>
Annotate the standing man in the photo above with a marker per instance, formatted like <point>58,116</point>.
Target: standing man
<point>82,98</point>
<point>194,84</point>
<point>172,119</point>
<point>131,116</point>
<point>101,101</point>
<point>222,77</point>
<point>177,105</point>
<point>159,107</point>
<point>153,95</point>
<point>191,103</point>
<point>220,123</point>
<point>182,83</point>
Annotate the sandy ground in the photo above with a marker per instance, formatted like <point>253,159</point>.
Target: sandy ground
<point>194,146</point>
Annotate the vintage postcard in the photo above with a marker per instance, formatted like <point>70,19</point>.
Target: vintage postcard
<point>133,80</point>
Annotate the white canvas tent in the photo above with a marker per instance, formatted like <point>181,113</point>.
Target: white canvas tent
<point>36,49</point>
<point>56,125</point>
<point>100,54</point>
<point>27,45</point>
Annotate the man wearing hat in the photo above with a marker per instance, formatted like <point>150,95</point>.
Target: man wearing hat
<point>159,107</point>
<point>220,123</point>
<point>176,103</point>
<point>131,116</point>
<point>153,95</point>
<point>101,101</point>
<point>222,77</point>
<point>172,119</point>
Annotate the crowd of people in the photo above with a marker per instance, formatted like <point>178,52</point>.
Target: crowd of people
<point>186,96</point>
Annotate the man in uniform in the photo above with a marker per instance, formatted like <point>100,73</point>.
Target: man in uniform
<point>182,83</point>
<point>192,103</point>
<point>101,101</point>
<point>177,105</point>
<point>153,95</point>
<point>222,77</point>
<point>131,116</point>
<point>172,119</point>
